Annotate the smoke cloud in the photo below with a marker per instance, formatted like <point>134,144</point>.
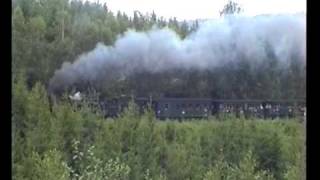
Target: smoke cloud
<point>215,43</point>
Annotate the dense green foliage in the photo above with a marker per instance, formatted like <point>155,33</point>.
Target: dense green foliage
<point>47,33</point>
<point>69,142</point>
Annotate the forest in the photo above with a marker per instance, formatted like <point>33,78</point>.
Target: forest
<point>51,33</point>
<point>64,141</point>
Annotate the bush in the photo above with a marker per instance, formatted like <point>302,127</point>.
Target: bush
<point>85,165</point>
<point>135,146</point>
<point>37,167</point>
<point>246,170</point>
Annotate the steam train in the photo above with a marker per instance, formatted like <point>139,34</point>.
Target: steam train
<point>186,108</point>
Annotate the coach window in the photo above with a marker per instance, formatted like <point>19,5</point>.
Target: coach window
<point>205,108</point>
<point>166,106</point>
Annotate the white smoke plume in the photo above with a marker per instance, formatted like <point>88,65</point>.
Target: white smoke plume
<point>215,43</point>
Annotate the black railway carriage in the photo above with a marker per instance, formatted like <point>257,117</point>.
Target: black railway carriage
<point>285,108</point>
<point>113,107</point>
<point>247,108</point>
<point>182,108</point>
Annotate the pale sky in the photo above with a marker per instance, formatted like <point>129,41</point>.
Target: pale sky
<point>203,9</point>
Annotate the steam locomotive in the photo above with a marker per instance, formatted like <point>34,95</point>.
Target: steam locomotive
<point>184,108</point>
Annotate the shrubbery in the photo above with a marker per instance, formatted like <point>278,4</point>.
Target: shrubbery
<point>137,146</point>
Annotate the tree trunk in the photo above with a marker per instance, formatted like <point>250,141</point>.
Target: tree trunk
<point>62,24</point>
<point>62,29</point>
